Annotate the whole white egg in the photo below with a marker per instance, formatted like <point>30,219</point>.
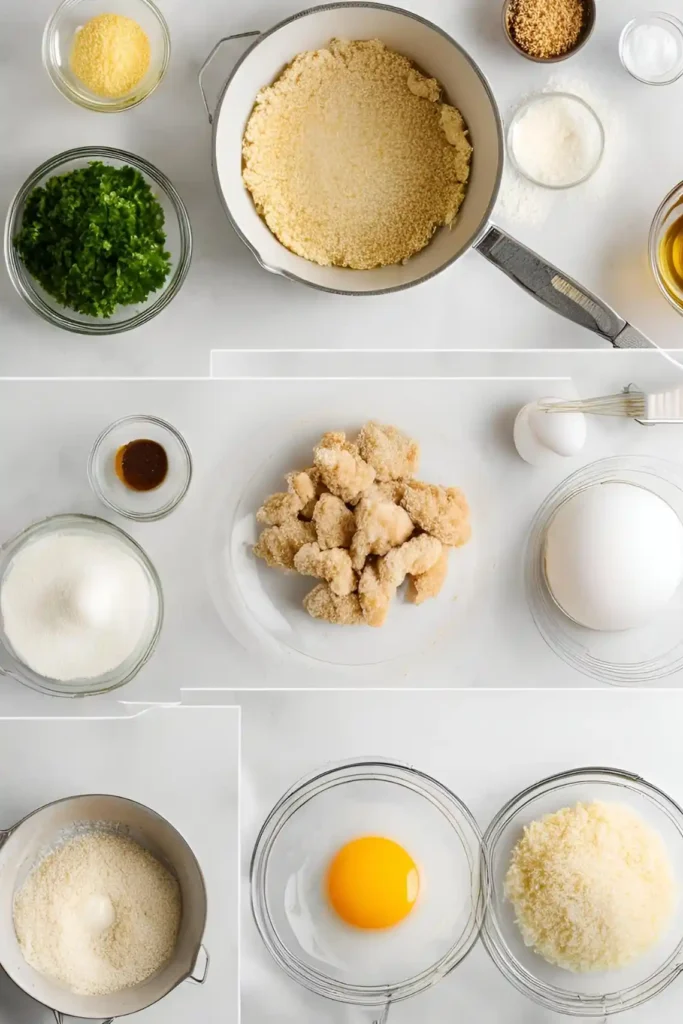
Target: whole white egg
<point>614,556</point>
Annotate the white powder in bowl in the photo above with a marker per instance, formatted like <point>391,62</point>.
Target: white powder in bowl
<point>74,606</point>
<point>556,141</point>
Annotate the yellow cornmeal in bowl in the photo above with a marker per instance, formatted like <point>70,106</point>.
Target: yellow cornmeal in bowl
<point>110,55</point>
<point>352,159</point>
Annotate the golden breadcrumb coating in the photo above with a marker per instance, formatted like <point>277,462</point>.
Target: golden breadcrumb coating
<point>276,509</point>
<point>321,603</point>
<point>278,545</point>
<point>375,596</point>
<point>350,159</point>
<point>333,566</point>
<point>380,526</point>
<point>429,584</point>
<point>416,556</point>
<point>391,454</point>
<point>441,511</point>
<point>307,486</point>
<point>386,490</point>
<point>335,524</point>
<point>342,470</point>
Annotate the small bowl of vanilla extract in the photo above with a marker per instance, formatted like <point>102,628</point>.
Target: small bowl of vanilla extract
<point>141,467</point>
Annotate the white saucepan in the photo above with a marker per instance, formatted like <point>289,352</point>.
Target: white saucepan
<point>22,846</point>
<point>434,52</point>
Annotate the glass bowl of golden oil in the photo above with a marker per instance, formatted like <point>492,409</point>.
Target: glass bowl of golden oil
<point>666,247</point>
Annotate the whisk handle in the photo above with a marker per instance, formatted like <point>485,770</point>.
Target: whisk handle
<point>557,291</point>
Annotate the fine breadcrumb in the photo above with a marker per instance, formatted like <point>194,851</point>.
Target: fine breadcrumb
<point>546,28</point>
<point>307,487</point>
<point>381,525</point>
<point>429,584</point>
<point>335,524</point>
<point>441,511</point>
<point>321,603</point>
<point>276,509</point>
<point>348,159</point>
<point>415,557</point>
<point>375,596</point>
<point>391,454</point>
<point>278,545</point>
<point>333,566</point>
<point>341,468</point>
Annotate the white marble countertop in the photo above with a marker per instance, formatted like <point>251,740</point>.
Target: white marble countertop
<point>181,762</point>
<point>597,233</point>
<point>486,747</point>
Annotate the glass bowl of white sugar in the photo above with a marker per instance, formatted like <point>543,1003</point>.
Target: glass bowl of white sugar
<point>81,606</point>
<point>555,140</point>
<point>651,48</point>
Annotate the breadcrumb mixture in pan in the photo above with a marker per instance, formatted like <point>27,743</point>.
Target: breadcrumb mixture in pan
<point>351,157</point>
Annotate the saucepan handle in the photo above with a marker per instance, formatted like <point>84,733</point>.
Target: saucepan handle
<point>201,967</point>
<point>557,291</point>
<point>205,66</point>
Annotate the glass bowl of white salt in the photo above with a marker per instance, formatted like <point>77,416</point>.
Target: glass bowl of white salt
<point>81,606</point>
<point>555,140</point>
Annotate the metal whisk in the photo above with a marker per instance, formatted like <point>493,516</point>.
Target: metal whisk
<point>664,407</point>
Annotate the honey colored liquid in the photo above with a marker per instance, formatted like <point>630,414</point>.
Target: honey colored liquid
<point>670,260</point>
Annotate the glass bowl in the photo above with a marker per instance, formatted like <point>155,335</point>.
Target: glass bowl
<point>629,657</point>
<point>580,995</point>
<point>178,243</point>
<point>586,33</point>
<point>669,282</point>
<point>673,27</point>
<point>109,488</point>
<point>58,39</point>
<point>599,138</point>
<point>12,665</point>
<point>303,831</point>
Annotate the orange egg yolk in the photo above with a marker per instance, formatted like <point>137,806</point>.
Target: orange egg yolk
<point>372,883</point>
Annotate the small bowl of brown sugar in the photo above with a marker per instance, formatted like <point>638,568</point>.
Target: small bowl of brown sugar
<point>548,31</point>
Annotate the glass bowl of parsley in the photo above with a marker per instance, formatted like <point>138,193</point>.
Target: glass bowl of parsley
<point>97,241</point>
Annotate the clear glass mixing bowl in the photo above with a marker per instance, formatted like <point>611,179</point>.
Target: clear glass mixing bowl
<point>670,210</point>
<point>629,657</point>
<point>178,244</point>
<point>11,664</point>
<point>311,817</point>
<point>580,995</point>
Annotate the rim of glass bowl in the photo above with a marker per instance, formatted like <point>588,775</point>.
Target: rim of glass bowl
<point>101,106</point>
<point>553,998</point>
<point>641,19</point>
<point>91,687</point>
<point>340,773</point>
<point>139,517</point>
<point>22,281</point>
<point>664,208</point>
<point>525,105</point>
<point>542,605</point>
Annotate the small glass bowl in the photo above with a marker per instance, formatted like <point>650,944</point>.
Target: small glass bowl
<point>12,665</point>
<point>562,991</point>
<point>365,795</point>
<point>584,36</point>
<point>670,210</point>
<point>540,98</point>
<point>58,39</point>
<point>140,506</point>
<point>178,243</point>
<point>673,27</point>
<point>630,657</point>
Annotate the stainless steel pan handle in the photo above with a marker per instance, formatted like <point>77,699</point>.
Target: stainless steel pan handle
<point>205,66</point>
<point>557,291</point>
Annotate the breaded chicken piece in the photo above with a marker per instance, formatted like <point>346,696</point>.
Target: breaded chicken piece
<point>374,595</point>
<point>380,526</point>
<point>441,511</point>
<point>321,603</point>
<point>387,490</point>
<point>334,523</point>
<point>391,454</point>
<point>276,509</point>
<point>342,470</point>
<point>428,584</point>
<point>416,557</point>
<point>307,486</point>
<point>278,545</point>
<point>333,566</point>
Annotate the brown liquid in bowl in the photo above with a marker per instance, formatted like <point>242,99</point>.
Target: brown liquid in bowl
<point>141,465</point>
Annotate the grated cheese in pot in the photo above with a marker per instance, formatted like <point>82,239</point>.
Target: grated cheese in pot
<point>592,886</point>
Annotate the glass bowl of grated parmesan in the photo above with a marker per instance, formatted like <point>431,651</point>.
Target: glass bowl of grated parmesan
<point>588,994</point>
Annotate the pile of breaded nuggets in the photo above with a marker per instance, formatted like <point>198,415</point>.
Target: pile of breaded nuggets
<point>359,521</point>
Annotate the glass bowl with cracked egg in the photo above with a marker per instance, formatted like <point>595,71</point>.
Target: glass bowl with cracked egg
<point>321,918</point>
<point>627,655</point>
<point>263,607</point>
<point>594,994</point>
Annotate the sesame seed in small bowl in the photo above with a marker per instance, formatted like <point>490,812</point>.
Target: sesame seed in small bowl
<point>106,55</point>
<point>547,31</point>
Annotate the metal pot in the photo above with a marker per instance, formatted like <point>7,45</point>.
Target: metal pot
<point>24,844</point>
<point>436,53</point>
